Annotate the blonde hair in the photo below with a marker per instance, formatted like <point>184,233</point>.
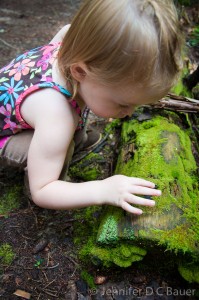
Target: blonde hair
<point>125,42</point>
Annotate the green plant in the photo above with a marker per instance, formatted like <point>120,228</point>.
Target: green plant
<point>194,37</point>
<point>38,263</point>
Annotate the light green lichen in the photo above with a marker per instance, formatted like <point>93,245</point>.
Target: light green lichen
<point>115,226</point>
<point>108,231</point>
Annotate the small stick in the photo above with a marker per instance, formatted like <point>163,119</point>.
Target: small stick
<point>7,44</point>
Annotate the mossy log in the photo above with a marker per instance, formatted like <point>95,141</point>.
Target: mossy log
<point>157,148</point>
<point>160,151</point>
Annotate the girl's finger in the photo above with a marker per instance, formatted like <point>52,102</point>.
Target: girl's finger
<point>142,182</point>
<point>139,190</point>
<point>131,209</point>
<point>139,200</point>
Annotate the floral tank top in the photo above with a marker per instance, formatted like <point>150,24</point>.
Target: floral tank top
<point>25,74</point>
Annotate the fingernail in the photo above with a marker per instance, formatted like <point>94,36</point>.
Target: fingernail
<point>153,202</point>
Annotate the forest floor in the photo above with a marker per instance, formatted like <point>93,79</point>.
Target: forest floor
<point>46,264</point>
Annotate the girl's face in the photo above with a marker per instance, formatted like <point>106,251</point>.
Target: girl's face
<point>108,101</point>
<point>111,102</point>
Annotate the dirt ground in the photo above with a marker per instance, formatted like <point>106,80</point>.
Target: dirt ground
<point>46,264</point>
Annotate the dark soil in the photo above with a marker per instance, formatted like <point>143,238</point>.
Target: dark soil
<point>46,263</point>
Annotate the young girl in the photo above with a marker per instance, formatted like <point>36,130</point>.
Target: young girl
<point>116,55</point>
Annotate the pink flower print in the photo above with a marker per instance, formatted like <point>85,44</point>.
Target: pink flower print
<point>7,112</point>
<point>46,78</point>
<point>44,61</point>
<point>49,48</point>
<point>10,125</point>
<point>21,68</point>
<point>49,55</point>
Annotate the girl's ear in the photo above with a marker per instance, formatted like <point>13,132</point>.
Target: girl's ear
<point>78,71</point>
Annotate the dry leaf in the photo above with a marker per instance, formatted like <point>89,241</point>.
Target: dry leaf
<point>22,294</point>
<point>100,279</point>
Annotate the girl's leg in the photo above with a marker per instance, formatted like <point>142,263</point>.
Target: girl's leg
<point>15,151</point>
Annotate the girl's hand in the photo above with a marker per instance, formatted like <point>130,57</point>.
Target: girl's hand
<point>122,191</point>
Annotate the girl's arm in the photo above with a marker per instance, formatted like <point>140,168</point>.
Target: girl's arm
<point>55,121</point>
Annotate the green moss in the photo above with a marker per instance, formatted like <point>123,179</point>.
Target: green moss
<point>194,37</point>
<point>189,272</point>
<point>91,241</point>
<point>11,199</point>
<point>88,278</point>
<point>83,170</point>
<point>6,254</point>
<point>177,239</point>
<point>162,154</point>
<point>180,89</point>
<point>110,127</point>
<point>122,255</point>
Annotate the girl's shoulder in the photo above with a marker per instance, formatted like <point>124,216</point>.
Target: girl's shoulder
<point>60,34</point>
<point>44,51</point>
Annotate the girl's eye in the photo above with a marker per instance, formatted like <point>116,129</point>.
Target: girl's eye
<point>124,106</point>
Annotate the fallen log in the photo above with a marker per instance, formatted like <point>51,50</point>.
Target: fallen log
<point>158,148</point>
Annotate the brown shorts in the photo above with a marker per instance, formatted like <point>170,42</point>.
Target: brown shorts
<point>15,151</point>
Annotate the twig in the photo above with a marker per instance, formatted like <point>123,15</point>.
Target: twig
<point>50,283</point>
<point>177,103</point>
<point>39,296</point>
<point>73,272</point>
<point>73,261</point>
<point>53,267</point>
<point>80,155</point>
<point>47,292</point>
<point>7,44</point>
